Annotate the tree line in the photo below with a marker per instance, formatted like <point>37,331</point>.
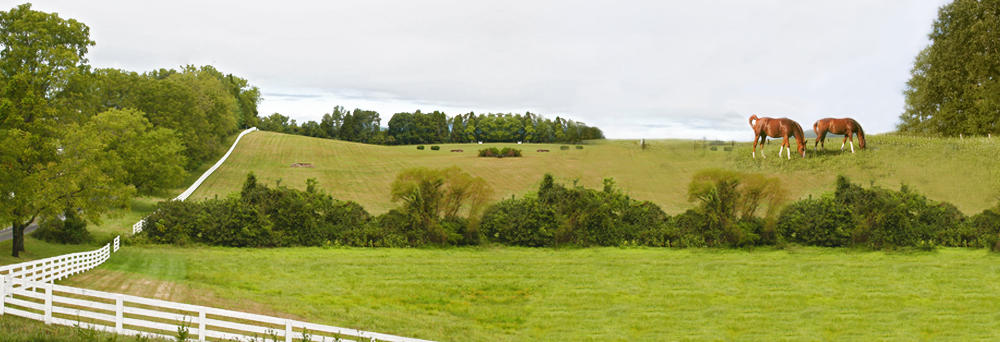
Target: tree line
<point>79,141</point>
<point>434,128</point>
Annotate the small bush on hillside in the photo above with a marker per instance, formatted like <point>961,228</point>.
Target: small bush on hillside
<point>420,147</point>
<point>500,153</point>
<point>73,230</point>
<point>435,148</point>
<point>579,147</point>
<point>563,148</point>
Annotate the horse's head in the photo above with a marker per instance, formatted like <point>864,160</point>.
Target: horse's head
<point>802,150</point>
<point>861,142</point>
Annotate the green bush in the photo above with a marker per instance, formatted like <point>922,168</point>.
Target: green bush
<point>420,147</point>
<point>519,222</point>
<point>817,222</point>
<point>72,230</point>
<point>500,153</point>
<point>579,147</point>
<point>564,147</point>
<point>435,148</point>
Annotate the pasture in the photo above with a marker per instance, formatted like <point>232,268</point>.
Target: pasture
<point>522,294</point>
<point>961,171</point>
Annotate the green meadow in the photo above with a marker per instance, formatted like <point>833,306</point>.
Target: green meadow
<point>592,294</point>
<point>961,171</point>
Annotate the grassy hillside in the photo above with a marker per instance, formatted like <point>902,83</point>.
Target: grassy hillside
<point>593,294</point>
<point>963,172</point>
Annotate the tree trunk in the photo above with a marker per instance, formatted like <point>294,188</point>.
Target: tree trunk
<point>17,232</point>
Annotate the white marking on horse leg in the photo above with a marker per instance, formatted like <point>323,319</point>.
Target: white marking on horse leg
<point>852,146</point>
<point>842,146</point>
<point>754,154</point>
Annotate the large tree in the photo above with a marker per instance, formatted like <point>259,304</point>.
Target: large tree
<point>955,81</point>
<point>55,157</point>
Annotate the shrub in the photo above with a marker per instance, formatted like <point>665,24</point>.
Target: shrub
<point>519,222</point>
<point>819,222</point>
<point>563,147</point>
<point>498,153</point>
<point>420,147</point>
<point>72,230</point>
<point>714,148</point>
<point>579,147</point>
<point>435,148</point>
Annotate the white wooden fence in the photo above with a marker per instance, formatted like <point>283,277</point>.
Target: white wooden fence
<point>59,267</point>
<point>124,314</point>
<point>137,227</point>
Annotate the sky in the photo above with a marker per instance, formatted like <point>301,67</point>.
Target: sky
<point>635,69</point>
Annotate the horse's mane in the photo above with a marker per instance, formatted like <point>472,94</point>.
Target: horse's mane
<point>861,131</point>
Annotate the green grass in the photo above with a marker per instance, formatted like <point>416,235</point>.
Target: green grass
<point>518,294</point>
<point>963,172</point>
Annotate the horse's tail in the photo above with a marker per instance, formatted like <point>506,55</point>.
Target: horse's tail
<point>816,128</point>
<point>752,118</point>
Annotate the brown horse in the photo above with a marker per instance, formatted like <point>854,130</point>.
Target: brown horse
<point>846,126</point>
<point>783,127</point>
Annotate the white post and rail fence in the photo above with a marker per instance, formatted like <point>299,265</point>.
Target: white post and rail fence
<point>28,290</point>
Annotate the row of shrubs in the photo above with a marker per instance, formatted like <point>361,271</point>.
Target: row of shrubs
<point>433,148</point>
<point>733,210</point>
<point>500,153</point>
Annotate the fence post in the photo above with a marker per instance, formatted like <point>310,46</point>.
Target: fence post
<point>3,292</point>
<point>119,313</point>
<point>48,303</point>
<point>288,330</point>
<point>201,323</point>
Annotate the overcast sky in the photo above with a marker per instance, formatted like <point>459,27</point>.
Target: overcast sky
<point>642,69</point>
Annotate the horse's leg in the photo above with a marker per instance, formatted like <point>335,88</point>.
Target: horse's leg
<point>763,140</point>
<point>843,144</point>
<point>754,153</point>
<point>822,140</point>
<point>851,135</point>
<point>788,146</point>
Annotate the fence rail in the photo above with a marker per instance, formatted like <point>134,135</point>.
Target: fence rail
<point>59,267</point>
<point>124,314</point>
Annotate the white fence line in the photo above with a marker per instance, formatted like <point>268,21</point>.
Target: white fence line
<point>58,267</point>
<point>124,314</point>
<point>137,227</point>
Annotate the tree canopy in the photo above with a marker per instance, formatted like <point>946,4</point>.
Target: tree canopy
<point>955,82</point>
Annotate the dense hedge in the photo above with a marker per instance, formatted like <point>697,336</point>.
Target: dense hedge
<point>500,153</point>
<point>726,215</point>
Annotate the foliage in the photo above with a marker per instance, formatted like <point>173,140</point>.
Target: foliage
<point>429,194</point>
<point>420,147</point>
<point>954,86</point>
<point>729,204</point>
<point>435,147</point>
<point>72,230</point>
<point>51,162</point>
<point>817,222</point>
<point>500,153</point>
<point>579,147</point>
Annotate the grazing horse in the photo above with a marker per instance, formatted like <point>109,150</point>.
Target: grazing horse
<point>774,128</point>
<point>846,126</point>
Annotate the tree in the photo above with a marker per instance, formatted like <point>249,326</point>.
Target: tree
<point>40,54</point>
<point>955,82</point>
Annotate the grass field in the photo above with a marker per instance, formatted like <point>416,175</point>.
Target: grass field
<point>963,172</point>
<point>593,294</point>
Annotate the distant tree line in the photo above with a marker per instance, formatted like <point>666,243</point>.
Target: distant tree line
<point>435,127</point>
